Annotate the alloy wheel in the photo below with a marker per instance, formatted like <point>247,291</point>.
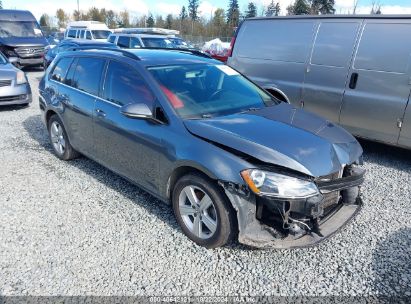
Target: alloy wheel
<point>198,212</point>
<point>57,137</point>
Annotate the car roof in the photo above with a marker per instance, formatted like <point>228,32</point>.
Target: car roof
<point>12,15</point>
<point>152,57</point>
<point>86,42</point>
<point>141,35</point>
<point>374,16</point>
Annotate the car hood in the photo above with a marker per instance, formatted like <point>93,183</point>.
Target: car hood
<point>7,71</point>
<point>285,136</point>
<point>24,41</point>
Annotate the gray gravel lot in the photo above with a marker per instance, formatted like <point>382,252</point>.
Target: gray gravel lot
<point>74,228</point>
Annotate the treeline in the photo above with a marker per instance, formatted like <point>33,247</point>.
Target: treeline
<point>190,21</point>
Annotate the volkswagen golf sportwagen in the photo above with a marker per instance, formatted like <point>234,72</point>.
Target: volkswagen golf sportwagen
<point>233,161</point>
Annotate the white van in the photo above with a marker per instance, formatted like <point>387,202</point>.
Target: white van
<point>90,30</point>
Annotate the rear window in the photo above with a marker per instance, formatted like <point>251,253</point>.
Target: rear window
<point>88,74</point>
<point>157,42</point>
<point>60,69</point>
<point>111,39</point>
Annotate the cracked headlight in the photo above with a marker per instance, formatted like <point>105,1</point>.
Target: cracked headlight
<point>278,185</point>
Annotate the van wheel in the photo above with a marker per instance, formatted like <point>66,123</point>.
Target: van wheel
<point>59,139</point>
<point>202,211</point>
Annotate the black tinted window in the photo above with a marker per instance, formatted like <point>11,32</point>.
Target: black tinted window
<point>88,35</point>
<point>60,70</point>
<point>124,85</point>
<point>111,39</point>
<point>123,42</point>
<point>135,43</point>
<point>88,74</point>
<point>71,34</point>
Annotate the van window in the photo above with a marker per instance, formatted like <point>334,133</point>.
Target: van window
<point>100,34</point>
<point>278,40</point>
<point>111,39</point>
<point>135,43</point>
<point>81,34</point>
<point>71,33</point>
<point>123,42</point>
<point>88,35</point>
<point>88,73</point>
<point>124,85</point>
<point>61,68</point>
<point>384,47</point>
<point>334,43</point>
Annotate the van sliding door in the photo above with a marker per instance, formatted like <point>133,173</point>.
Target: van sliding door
<point>327,69</point>
<point>379,81</point>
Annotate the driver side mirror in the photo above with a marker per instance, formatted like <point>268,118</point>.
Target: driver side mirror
<point>137,110</point>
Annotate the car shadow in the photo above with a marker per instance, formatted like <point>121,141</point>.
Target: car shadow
<point>13,108</point>
<point>391,264</point>
<point>37,131</point>
<point>388,156</point>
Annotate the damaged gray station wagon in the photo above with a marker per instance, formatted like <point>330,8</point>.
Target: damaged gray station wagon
<point>232,160</point>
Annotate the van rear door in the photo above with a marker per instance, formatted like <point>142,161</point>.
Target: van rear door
<point>378,87</point>
<point>327,69</point>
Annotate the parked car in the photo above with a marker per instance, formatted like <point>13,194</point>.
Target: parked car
<point>90,30</point>
<point>55,38</point>
<point>352,70</point>
<point>21,38</point>
<point>194,132</point>
<point>14,87</point>
<point>136,41</point>
<point>72,44</point>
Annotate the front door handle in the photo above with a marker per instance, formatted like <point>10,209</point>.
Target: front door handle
<point>100,113</point>
<point>353,81</point>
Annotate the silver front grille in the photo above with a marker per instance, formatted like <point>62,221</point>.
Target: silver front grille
<point>30,51</point>
<point>5,82</point>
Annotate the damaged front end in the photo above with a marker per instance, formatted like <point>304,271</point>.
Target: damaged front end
<point>277,219</point>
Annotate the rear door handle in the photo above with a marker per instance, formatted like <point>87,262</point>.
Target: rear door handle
<point>353,81</point>
<point>100,113</point>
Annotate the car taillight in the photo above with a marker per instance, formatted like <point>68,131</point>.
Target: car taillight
<point>230,51</point>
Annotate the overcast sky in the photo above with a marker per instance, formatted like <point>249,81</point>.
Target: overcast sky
<point>138,7</point>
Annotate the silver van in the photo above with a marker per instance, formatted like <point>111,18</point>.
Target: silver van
<point>353,70</point>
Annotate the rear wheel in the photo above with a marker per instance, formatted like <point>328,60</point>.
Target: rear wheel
<point>203,211</point>
<point>59,140</point>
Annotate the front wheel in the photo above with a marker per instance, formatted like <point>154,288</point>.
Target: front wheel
<point>203,211</point>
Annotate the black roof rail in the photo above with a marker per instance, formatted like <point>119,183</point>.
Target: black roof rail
<point>85,48</point>
<point>189,50</point>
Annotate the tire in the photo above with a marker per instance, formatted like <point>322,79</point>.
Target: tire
<point>59,139</point>
<point>216,224</point>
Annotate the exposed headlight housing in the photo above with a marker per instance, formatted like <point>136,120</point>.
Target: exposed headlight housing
<point>272,184</point>
<point>20,78</point>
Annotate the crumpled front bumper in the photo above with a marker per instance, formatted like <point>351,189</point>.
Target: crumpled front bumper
<point>254,232</point>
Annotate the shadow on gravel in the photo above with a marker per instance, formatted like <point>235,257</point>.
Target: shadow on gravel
<point>391,264</point>
<point>389,156</point>
<point>13,108</point>
<point>36,130</point>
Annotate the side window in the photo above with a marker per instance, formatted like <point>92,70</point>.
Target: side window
<point>111,39</point>
<point>123,42</point>
<point>81,34</point>
<point>88,35</point>
<point>88,74</point>
<point>135,43</point>
<point>60,70</point>
<point>380,48</point>
<point>334,44</point>
<point>124,85</point>
<point>70,74</point>
<point>71,33</point>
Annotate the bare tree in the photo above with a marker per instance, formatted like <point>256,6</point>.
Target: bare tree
<point>375,8</point>
<point>355,6</point>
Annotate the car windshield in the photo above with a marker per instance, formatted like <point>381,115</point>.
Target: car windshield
<point>3,60</point>
<point>209,90</point>
<point>19,29</point>
<point>157,42</point>
<point>100,34</point>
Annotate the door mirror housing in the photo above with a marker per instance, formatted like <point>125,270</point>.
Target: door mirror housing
<point>137,111</point>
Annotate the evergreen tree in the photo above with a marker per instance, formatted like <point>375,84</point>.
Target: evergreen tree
<point>183,13</point>
<point>251,10</point>
<point>44,20</point>
<point>273,9</point>
<point>193,9</point>
<point>300,7</point>
<point>1,4</point>
<point>233,13</point>
<point>150,20</point>
<point>169,21</point>
<point>322,7</point>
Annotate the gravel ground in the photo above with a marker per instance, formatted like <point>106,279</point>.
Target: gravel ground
<point>74,228</point>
